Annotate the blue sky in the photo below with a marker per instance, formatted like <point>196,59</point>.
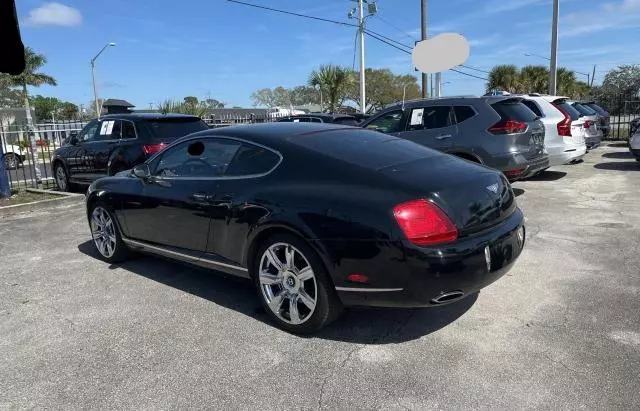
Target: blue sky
<point>171,49</point>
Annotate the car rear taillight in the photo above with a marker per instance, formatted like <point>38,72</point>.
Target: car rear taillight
<point>508,127</point>
<point>515,173</point>
<point>153,148</point>
<point>424,223</point>
<point>564,126</point>
<point>587,124</point>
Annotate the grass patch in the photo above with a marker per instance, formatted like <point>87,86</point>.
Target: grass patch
<point>23,197</point>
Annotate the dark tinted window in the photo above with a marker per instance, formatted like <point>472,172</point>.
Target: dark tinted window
<point>172,128</point>
<point>463,113</point>
<point>285,120</point>
<point>347,121</point>
<point>197,158</point>
<point>569,109</point>
<point>251,160</point>
<point>430,118</point>
<point>598,109</point>
<point>533,107</point>
<point>109,130</point>
<point>387,123</point>
<point>88,133</point>
<point>128,129</point>
<point>514,110</point>
<point>364,148</point>
<point>587,111</point>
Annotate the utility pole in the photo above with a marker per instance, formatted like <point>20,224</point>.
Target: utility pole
<point>424,37</point>
<point>363,107</point>
<point>93,77</point>
<point>593,76</point>
<point>438,84</point>
<point>553,66</point>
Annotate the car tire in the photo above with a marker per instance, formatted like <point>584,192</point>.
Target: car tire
<point>298,296</point>
<point>62,178</point>
<point>105,234</point>
<point>11,161</point>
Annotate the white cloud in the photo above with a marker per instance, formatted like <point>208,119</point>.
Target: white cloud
<point>611,16</point>
<point>54,14</point>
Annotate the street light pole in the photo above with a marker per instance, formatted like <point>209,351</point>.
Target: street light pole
<point>363,107</point>
<point>93,76</point>
<point>553,65</point>
<point>424,37</point>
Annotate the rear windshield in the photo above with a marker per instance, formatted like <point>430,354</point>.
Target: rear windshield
<point>171,128</point>
<point>569,109</point>
<point>365,148</point>
<point>597,108</point>
<point>587,111</point>
<point>514,110</point>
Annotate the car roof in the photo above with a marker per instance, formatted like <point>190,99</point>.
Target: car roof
<point>326,116</point>
<point>459,99</point>
<point>275,135</point>
<point>148,116</point>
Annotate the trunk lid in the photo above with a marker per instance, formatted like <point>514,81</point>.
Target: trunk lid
<point>530,141</point>
<point>473,196</point>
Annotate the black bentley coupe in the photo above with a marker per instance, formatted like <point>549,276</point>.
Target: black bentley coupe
<point>318,216</point>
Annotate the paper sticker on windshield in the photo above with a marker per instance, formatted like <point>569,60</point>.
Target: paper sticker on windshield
<point>416,117</point>
<point>103,128</point>
<point>110,127</point>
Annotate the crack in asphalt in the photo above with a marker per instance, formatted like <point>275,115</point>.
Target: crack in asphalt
<point>561,363</point>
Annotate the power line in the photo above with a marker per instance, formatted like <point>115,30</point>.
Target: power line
<point>395,27</point>
<point>292,13</point>
<point>380,39</point>
<point>470,75</point>
<point>476,69</point>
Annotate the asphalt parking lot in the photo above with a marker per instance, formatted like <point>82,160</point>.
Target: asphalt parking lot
<point>561,330</point>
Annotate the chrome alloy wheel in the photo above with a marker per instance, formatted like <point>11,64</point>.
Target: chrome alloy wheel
<point>288,283</point>
<point>103,232</point>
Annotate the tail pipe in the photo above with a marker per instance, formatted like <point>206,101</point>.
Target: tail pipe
<point>448,297</point>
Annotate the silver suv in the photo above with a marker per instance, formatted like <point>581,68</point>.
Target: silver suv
<point>497,131</point>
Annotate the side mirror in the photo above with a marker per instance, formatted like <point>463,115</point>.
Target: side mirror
<point>142,171</point>
<point>73,138</point>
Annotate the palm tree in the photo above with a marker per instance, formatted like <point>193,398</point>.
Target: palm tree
<point>31,77</point>
<point>333,82</point>
<point>566,82</point>
<point>504,77</point>
<point>534,79</point>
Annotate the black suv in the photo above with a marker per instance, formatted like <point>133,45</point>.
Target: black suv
<point>344,119</point>
<point>117,142</point>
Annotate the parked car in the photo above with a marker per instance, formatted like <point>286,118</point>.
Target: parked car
<point>14,157</point>
<point>560,142</point>
<point>581,126</point>
<point>634,144</point>
<point>318,216</point>
<point>115,143</point>
<point>593,136</point>
<point>497,131</point>
<point>633,126</point>
<point>604,116</point>
<point>346,119</point>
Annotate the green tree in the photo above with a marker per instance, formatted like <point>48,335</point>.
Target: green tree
<point>191,101</point>
<point>31,76</point>
<point>9,97</point>
<point>534,79</point>
<point>384,88</point>
<point>566,82</point>
<point>44,107</point>
<point>505,77</point>
<point>263,97</point>
<point>302,95</point>
<point>212,103</point>
<point>624,80</point>
<point>333,81</point>
<point>68,111</point>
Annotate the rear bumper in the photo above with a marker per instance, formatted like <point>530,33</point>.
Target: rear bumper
<point>593,142</point>
<point>635,152</point>
<point>424,274</point>
<point>516,166</point>
<point>605,130</point>
<point>567,156</point>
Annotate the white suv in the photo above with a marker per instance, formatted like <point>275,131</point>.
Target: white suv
<point>564,136</point>
<point>634,144</point>
<point>13,156</point>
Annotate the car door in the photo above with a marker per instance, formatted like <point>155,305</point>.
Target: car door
<point>76,159</point>
<point>431,126</point>
<point>100,149</point>
<point>234,209</point>
<point>173,207</point>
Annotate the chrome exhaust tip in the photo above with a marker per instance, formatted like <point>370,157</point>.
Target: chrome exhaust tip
<point>448,297</point>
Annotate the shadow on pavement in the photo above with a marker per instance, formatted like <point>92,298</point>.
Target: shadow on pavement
<point>548,176</point>
<point>360,325</point>
<point>619,154</point>
<point>619,166</point>
<point>624,144</point>
<point>517,191</point>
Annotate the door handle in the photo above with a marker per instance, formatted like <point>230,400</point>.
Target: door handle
<point>442,137</point>
<point>202,197</point>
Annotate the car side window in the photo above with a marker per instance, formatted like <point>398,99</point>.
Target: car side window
<point>128,130</point>
<point>387,123</point>
<point>89,132</point>
<point>251,160</point>
<point>427,118</point>
<point>197,158</point>
<point>533,107</point>
<point>463,113</point>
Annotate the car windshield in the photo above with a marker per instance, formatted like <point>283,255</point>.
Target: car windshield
<point>514,110</point>
<point>584,110</point>
<point>569,109</point>
<point>171,128</point>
